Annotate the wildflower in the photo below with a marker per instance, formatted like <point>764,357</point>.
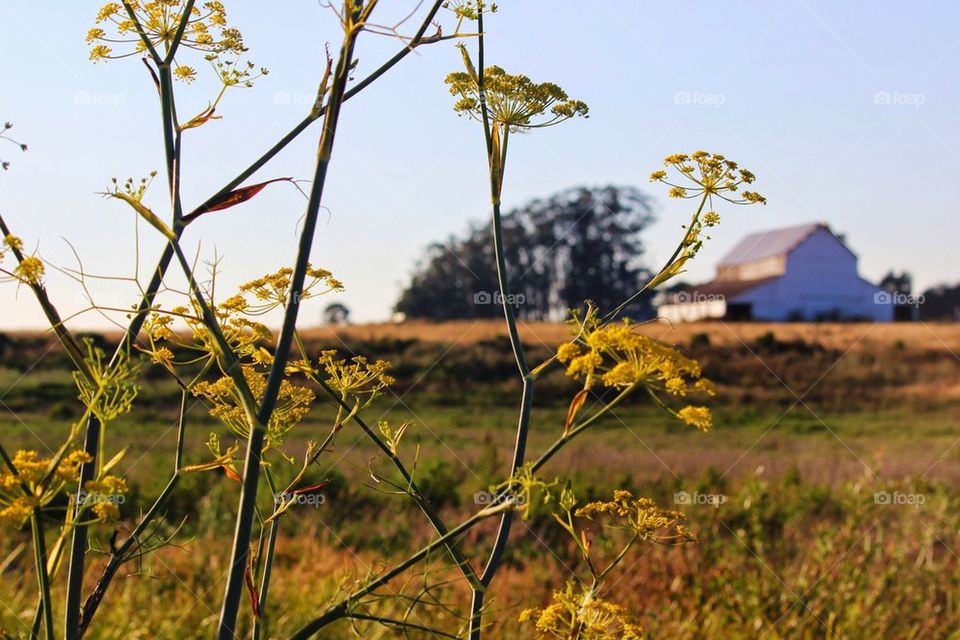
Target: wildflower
<point>705,176</point>
<point>13,242</point>
<point>111,391</point>
<point>711,174</point>
<point>107,485</point>
<point>162,356</point>
<point>30,270</point>
<point>106,511</point>
<point>640,516</point>
<point>699,417</point>
<point>615,356</point>
<point>578,607</point>
<point>514,102</point>
<point>36,483</point>
<point>207,32</point>
<point>469,9</point>
<point>273,290</point>
<point>356,377</point>
<point>69,469</point>
<point>293,403</point>
<point>185,73</point>
<point>15,513</point>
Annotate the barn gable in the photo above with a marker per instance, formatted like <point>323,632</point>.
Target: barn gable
<point>805,272</point>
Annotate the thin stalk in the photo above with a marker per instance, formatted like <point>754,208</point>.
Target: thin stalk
<point>43,579</point>
<point>676,253</point>
<point>94,428</point>
<point>248,495</point>
<point>438,524</point>
<point>341,610</point>
<point>259,623</point>
<point>319,111</point>
<point>578,429</point>
<point>118,555</point>
<point>496,155</point>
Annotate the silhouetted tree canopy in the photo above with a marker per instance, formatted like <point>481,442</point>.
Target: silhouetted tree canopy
<point>583,243</point>
<point>897,283</point>
<point>941,302</point>
<point>336,313</point>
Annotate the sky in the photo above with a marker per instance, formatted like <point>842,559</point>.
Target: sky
<point>845,111</point>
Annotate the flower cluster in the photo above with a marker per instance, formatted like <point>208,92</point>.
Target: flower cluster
<point>103,497</point>
<point>708,174</point>
<point>579,612</point>
<point>617,357</point>
<point>704,175</point>
<point>513,102</point>
<point>640,516</point>
<point>273,290</point>
<point>158,22</point>
<point>37,482</point>
<point>469,9</point>
<point>31,268</point>
<point>3,136</point>
<point>357,377</point>
<point>293,403</point>
<point>112,390</point>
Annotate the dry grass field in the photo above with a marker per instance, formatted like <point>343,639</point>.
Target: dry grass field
<point>862,336</point>
<point>813,421</point>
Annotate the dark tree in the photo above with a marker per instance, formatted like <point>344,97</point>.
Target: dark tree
<point>897,283</point>
<point>941,302</point>
<point>583,243</point>
<point>336,313</point>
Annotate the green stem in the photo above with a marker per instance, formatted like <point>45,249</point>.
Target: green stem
<point>248,495</point>
<point>496,154</point>
<point>118,555</point>
<point>341,610</point>
<point>43,579</point>
<point>317,113</point>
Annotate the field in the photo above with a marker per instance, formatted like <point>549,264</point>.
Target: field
<point>824,500</point>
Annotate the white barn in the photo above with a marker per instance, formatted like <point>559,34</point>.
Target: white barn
<point>796,273</point>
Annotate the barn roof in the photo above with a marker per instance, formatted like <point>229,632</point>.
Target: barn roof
<point>769,244</point>
<point>726,289</point>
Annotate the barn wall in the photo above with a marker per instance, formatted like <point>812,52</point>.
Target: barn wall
<point>821,280</point>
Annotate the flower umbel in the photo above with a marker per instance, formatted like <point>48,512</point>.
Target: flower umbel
<point>615,356</point>
<point>513,101</point>
<point>701,175</point>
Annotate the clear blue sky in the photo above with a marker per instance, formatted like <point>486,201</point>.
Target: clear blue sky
<point>787,88</point>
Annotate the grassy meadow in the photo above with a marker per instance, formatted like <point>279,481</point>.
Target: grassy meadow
<point>825,499</point>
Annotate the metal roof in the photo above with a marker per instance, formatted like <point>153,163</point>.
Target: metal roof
<point>769,244</point>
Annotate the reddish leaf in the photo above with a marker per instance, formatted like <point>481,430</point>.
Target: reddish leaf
<point>313,487</point>
<point>254,596</point>
<point>233,475</point>
<point>575,405</point>
<point>235,197</point>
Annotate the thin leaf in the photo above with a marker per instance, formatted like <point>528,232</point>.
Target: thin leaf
<point>235,197</point>
<point>575,405</point>
<point>252,588</point>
